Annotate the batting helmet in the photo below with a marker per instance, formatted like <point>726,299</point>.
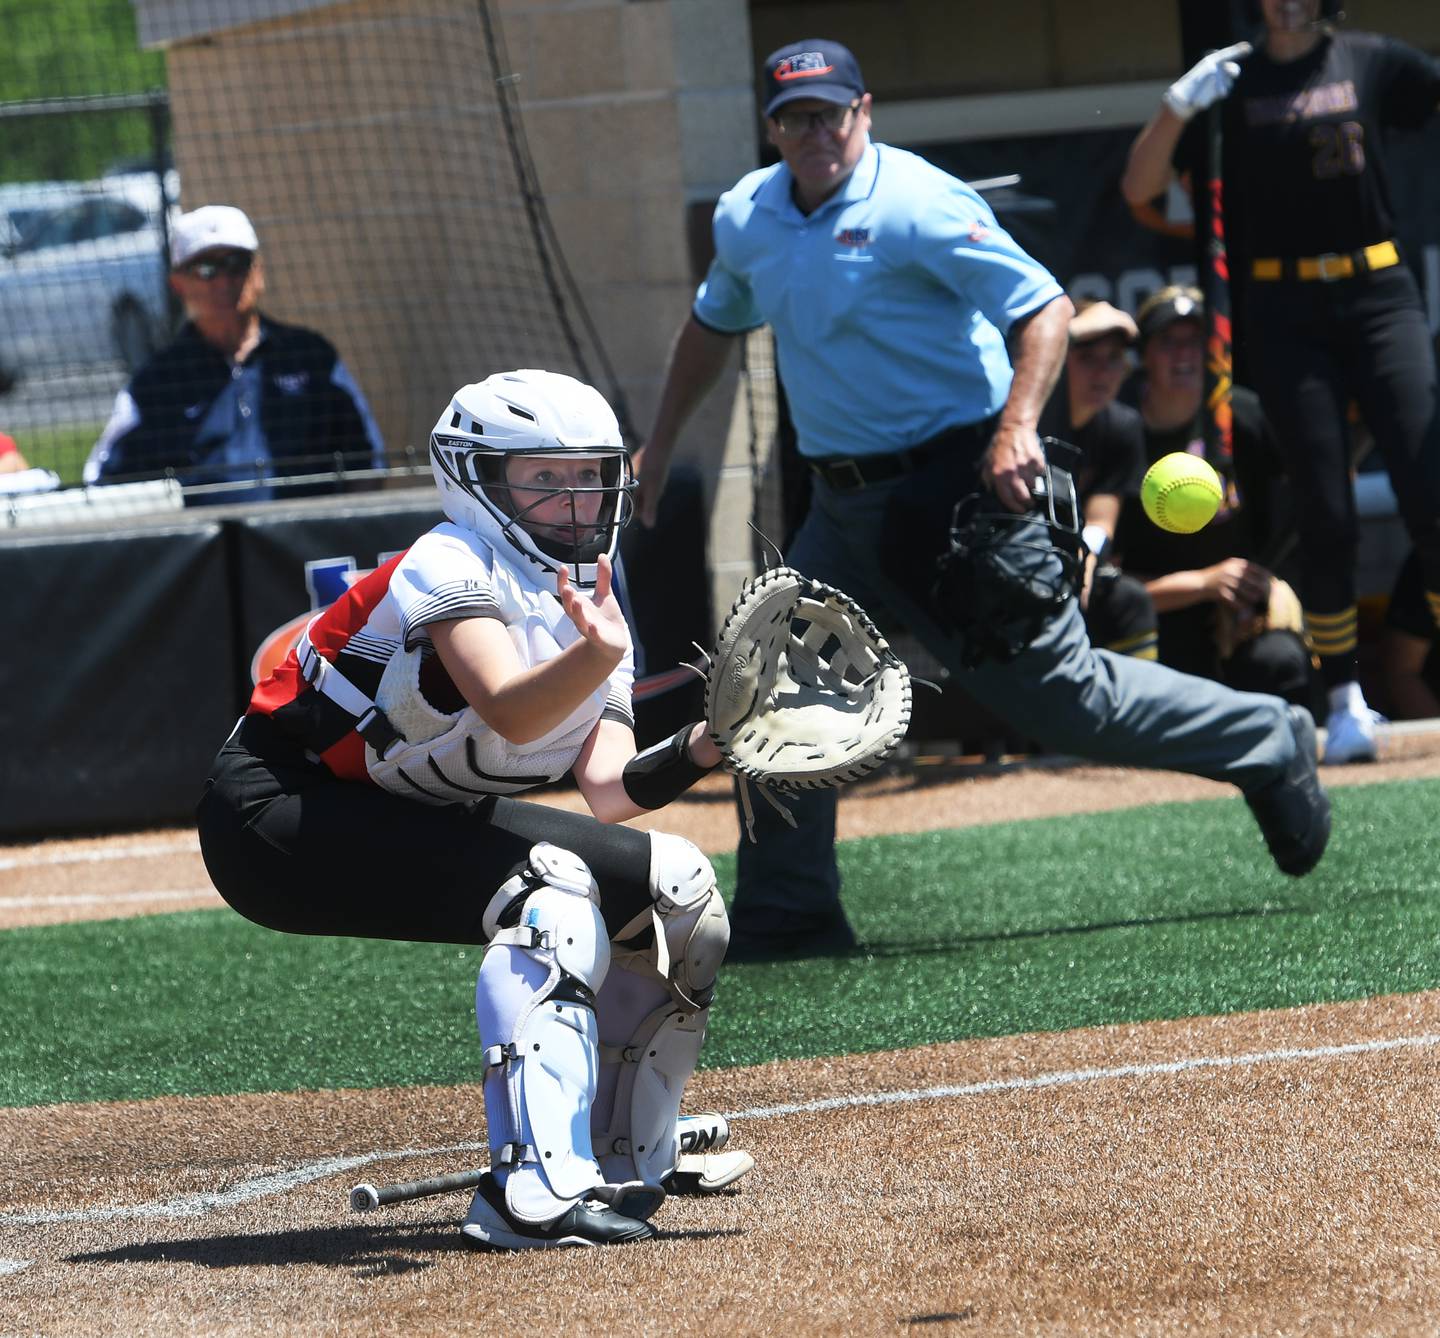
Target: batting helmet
<point>530,413</point>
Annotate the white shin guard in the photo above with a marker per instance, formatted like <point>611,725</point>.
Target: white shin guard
<point>654,1013</point>
<point>642,1141</point>
<point>534,1005</point>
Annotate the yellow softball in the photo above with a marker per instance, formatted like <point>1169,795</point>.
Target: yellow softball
<point>1181,493</point>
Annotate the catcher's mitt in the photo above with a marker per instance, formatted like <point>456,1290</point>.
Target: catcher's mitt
<point>802,690</point>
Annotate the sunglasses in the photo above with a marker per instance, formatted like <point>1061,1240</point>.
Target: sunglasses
<point>792,124</point>
<point>233,265</point>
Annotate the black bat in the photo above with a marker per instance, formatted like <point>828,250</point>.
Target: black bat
<point>1215,283</point>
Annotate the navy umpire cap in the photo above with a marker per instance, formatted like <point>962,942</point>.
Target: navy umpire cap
<point>813,68</point>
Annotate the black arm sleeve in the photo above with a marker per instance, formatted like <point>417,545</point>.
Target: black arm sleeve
<point>662,772</point>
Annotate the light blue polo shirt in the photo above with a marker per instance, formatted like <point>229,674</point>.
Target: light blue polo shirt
<point>889,303</point>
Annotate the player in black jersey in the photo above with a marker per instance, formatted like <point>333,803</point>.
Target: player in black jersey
<point>1329,310</point>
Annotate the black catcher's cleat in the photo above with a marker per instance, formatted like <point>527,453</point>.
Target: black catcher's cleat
<point>489,1225</point>
<point>1293,810</point>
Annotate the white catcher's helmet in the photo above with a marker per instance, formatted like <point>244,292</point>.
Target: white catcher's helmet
<point>531,413</point>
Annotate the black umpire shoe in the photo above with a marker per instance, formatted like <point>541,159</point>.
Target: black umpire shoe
<point>1293,810</point>
<point>489,1225</point>
<point>771,936</point>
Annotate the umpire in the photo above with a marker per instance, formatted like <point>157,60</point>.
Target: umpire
<point>1330,311</point>
<point>917,344</point>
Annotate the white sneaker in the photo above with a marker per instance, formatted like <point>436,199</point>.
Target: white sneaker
<point>1350,736</point>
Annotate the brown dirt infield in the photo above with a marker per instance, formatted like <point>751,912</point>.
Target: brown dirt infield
<point>1266,1173</point>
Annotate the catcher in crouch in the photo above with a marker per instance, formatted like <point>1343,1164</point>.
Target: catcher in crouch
<point>364,793</point>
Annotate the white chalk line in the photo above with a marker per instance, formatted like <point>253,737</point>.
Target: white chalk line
<point>8,1266</point>
<point>105,898</point>
<point>40,858</point>
<point>1065,1077</point>
<point>195,1205</point>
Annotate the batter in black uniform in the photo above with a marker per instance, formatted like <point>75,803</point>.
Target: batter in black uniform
<point>1331,312</point>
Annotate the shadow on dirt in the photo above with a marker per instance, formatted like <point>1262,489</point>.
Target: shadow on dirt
<point>368,1251</point>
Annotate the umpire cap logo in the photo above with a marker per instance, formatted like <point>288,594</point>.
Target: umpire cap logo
<point>804,65</point>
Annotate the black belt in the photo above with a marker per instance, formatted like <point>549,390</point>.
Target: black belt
<point>850,473</point>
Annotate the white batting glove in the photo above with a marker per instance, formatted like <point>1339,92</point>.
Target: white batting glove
<point>1207,81</point>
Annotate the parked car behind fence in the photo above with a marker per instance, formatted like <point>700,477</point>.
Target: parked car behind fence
<point>82,276</point>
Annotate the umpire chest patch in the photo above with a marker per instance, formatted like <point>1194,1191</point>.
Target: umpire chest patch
<point>853,245</point>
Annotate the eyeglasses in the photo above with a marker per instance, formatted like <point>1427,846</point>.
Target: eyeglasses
<point>233,265</point>
<point>793,124</point>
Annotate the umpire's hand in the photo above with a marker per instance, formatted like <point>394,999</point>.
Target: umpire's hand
<point>1012,463</point>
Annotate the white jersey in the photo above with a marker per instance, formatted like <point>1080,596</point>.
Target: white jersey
<point>448,757</point>
<point>376,637</point>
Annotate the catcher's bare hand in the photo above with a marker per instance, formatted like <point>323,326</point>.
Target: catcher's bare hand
<point>701,747</point>
<point>1013,461</point>
<point>597,616</point>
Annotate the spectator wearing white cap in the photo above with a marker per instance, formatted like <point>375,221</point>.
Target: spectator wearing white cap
<point>237,397</point>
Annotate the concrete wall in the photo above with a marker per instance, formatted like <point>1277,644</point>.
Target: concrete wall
<point>935,48</point>
<point>638,115</point>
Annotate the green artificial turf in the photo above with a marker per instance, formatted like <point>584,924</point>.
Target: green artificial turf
<point>63,447</point>
<point>1167,911</point>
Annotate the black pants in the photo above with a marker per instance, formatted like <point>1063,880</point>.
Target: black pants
<point>1120,614</point>
<point>293,848</point>
<point>1312,348</point>
<point>1275,661</point>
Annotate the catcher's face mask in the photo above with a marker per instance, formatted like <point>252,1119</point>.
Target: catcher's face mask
<point>572,506</point>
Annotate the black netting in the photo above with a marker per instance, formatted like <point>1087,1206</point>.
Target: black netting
<point>404,244</point>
